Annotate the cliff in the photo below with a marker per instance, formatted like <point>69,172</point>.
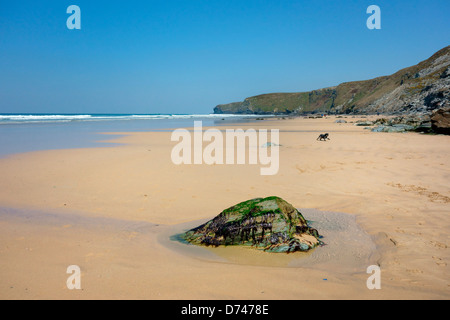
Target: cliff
<point>418,89</point>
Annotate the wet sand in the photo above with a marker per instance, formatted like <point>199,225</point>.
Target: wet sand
<point>107,209</point>
<point>347,247</point>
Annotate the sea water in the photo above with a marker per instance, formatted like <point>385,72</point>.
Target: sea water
<point>33,132</point>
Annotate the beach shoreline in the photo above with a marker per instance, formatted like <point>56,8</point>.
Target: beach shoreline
<point>126,196</point>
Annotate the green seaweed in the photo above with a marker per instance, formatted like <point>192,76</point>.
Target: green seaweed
<point>269,223</point>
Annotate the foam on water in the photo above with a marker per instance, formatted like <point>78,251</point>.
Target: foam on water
<point>43,118</point>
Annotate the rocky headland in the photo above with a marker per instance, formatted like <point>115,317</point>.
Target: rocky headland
<point>419,95</point>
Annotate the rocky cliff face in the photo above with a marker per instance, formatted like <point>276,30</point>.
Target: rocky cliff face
<point>418,89</point>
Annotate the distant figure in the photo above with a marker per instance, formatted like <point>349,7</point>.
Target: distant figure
<point>323,137</point>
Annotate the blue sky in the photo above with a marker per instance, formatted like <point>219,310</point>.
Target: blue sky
<point>188,56</point>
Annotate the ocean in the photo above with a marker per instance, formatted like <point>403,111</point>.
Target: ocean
<point>33,132</point>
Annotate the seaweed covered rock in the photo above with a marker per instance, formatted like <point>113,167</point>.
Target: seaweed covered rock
<point>270,224</point>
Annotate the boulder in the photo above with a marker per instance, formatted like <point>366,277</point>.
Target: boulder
<point>395,128</point>
<point>381,121</point>
<point>361,123</point>
<point>440,121</point>
<point>270,224</point>
<point>379,129</point>
<point>424,127</point>
<point>404,127</point>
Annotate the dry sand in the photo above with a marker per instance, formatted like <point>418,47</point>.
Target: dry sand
<point>112,210</point>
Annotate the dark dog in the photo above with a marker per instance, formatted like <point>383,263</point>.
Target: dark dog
<point>323,137</point>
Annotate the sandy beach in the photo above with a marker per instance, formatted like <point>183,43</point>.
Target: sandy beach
<point>112,210</point>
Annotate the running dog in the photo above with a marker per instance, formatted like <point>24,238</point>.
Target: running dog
<point>323,137</point>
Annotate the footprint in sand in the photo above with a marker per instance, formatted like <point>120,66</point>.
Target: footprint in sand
<point>433,196</point>
<point>414,271</point>
<point>439,261</point>
<point>438,244</point>
<point>300,170</point>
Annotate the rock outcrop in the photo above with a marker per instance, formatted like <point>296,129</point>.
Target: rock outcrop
<point>414,122</point>
<point>270,224</point>
<point>440,121</point>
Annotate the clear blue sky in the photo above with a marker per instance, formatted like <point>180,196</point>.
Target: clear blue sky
<point>188,56</point>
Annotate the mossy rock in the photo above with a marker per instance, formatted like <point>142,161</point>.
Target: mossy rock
<point>270,224</point>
